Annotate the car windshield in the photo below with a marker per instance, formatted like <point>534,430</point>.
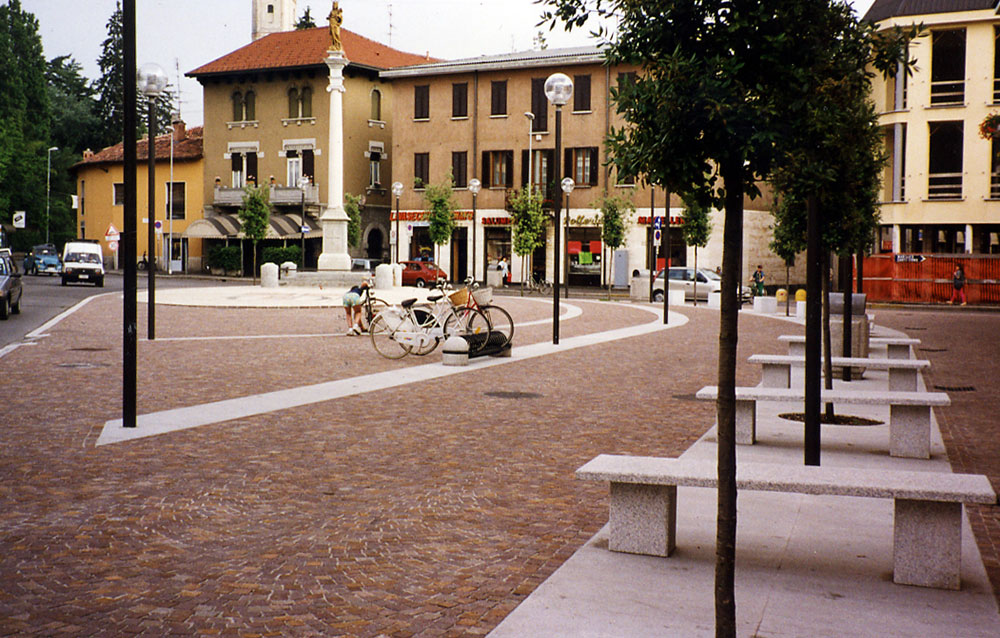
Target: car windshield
<point>83,258</point>
<point>712,276</point>
<point>4,268</point>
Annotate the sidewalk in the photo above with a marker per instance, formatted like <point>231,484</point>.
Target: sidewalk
<point>806,565</point>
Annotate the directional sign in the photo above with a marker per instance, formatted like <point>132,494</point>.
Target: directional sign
<point>910,258</point>
<point>657,223</point>
<point>304,228</point>
<point>19,218</point>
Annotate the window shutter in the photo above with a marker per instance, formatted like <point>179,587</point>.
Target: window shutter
<point>581,93</point>
<point>308,165</point>
<point>524,168</point>
<point>594,158</point>
<point>509,160</point>
<point>293,103</point>
<point>568,168</point>
<point>237,107</point>
<point>487,170</point>
<point>539,105</point>
<point>307,102</point>
<point>237,159</point>
<point>250,104</point>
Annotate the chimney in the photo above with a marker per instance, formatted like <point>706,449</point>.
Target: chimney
<point>179,130</point>
<point>87,154</point>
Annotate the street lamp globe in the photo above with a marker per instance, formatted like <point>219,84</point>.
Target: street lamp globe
<point>567,185</point>
<point>152,79</point>
<point>475,186</point>
<point>397,188</point>
<point>558,88</point>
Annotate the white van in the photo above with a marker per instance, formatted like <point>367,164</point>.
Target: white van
<point>83,261</point>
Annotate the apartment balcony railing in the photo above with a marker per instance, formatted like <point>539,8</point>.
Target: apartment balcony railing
<point>278,196</point>
<point>996,90</point>
<point>947,92</point>
<point>944,186</point>
<point>995,186</point>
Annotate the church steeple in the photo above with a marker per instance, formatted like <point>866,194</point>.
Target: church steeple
<point>272,16</point>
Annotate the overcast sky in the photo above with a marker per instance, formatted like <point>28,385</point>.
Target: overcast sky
<point>184,34</point>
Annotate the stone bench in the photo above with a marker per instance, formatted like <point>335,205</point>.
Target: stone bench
<point>909,412</point>
<point>776,369</point>
<point>896,347</point>
<point>927,522</point>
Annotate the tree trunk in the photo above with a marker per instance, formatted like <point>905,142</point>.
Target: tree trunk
<point>725,548</point>
<point>827,344</point>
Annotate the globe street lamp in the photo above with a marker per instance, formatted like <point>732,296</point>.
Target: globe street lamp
<point>567,186</point>
<point>397,190</point>
<point>474,186</point>
<point>303,186</point>
<point>152,82</point>
<point>558,90</point>
<point>48,183</point>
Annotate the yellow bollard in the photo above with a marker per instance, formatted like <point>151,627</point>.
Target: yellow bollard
<point>800,294</point>
<point>781,295</point>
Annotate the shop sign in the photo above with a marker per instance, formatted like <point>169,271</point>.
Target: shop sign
<point>422,215</point>
<point>675,220</point>
<point>496,221</point>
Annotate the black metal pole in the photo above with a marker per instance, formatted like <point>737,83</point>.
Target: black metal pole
<point>302,228</point>
<point>473,260</point>
<point>558,240</point>
<point>565,254</point>
<point>151,231</point>
<point>398,237</point>
<point>814,270</point>
<point>652,247</point>
<point>666,260</point>
<point>847,285</point>
<point>129,239</point>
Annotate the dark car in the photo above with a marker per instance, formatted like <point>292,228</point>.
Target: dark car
<point>43,258</point>
<point>10,286</point>
<point>421,273</point>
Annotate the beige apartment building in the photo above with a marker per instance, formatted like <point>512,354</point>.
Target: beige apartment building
<point>488,118</point>
<point>267,122</point>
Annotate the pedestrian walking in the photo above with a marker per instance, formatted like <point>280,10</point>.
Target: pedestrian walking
<point>958,285</point>
<point>504,270</point>
<point>758,281</point>
<point>352,308</point>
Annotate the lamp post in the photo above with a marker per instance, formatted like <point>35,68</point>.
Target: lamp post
<point>48,183</point>
<point>558,91</point>
<point>152,82</point>
<point>474,186</point>
<point>397,190</point>
<point>567,186</point>
<point>531,176</point>
<point>303,185</point>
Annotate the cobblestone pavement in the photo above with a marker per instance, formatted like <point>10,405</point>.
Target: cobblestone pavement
<point>428,510</point>
<point>964,350</point>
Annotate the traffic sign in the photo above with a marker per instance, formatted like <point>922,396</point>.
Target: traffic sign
<point>304,228</point>
<point>657,233</point>
<point>19,218</point>
<point>113,245</point>
<point>657,223</point>
<point>112,233</point>
<point>158,225</point>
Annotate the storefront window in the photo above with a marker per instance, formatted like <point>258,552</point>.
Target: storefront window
<point>497,245</point>
<point>585,254</point>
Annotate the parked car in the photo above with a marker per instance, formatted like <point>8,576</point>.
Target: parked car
<point>10,286</point>
<point>43,258</point>
<point>83,261</point>
<point>365,264</point>
<point>421,273</point>
<point>682,278</point>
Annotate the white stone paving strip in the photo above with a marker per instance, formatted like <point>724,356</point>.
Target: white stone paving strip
<point>42,330</point>
<point>216,412</point>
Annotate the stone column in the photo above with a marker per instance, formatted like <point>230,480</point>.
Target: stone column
<point>334,219</point>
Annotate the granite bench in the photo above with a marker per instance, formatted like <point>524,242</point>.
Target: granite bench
<point>776,369</point>
<point>896,347</point>
<point>909,412</point>
<point>927,522</point>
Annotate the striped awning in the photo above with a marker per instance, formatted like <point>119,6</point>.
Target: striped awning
<point>229,227</point>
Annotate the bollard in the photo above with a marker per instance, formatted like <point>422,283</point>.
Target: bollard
<point>781,295</point>
<point>800,294</point>
<point>456,351</point>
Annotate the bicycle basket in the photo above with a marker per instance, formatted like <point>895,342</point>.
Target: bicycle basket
<point>459,297</point>
<point>483,296</point>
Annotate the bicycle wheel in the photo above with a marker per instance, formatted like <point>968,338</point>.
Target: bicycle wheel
<point>544,287</point>
<point>470,323</point>
<point>372,308</point>
<point>500,321</point>
<point>426,321</point>
<point>383,341</point>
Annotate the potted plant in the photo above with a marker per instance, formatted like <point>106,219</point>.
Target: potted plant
<point>989,128</point>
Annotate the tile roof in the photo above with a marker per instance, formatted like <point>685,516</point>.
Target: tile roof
<point>188,147</point>
<point>885,9</point>
<point>503,61</point>
<point>303,48</point>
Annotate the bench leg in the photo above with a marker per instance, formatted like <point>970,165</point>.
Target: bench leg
<point>927,544</point>
<point>643,519</point>
<point>910,431</point>
<point>746,422</point>
<point>902,380</point>
<point>897,351</point>
<point>776,375</point>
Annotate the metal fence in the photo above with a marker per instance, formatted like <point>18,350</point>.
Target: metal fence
<point>927,278</point>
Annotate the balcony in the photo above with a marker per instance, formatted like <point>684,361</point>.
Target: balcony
<point>278,196</point>
<point>995,185</point>
<point>948,93</point>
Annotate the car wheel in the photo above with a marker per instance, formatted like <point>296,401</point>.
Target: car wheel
<point>64,281</point>
<point>4,308</point>
<point>15,308</point>
<point>421,283</point>
<point>657,295</point>
<point>99,283</point>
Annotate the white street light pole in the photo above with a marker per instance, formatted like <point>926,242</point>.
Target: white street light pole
<point>397,190</point>
<point>567,187</point>
<point>152,81</point>
<point>48,188</point>
<point>474,186</point>
<point>558,90</point>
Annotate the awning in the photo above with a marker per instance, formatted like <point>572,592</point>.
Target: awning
<point>229,227</point>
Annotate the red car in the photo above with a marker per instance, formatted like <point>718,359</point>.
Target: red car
<point>421,273</point>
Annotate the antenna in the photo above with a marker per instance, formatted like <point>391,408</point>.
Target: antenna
<point>389,5</point>
<point>177,67</point>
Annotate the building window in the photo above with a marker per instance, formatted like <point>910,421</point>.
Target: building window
<point>306,102</point>
<point>299,163</point>
<point>539,106</point>
<point>460,169</point>
<point>293,102</point>
<point>948,67</point>
<point>498,169</point>
<point>895,176</point>
<point>460,99</point>
<point>581,93</point>
<point>421,169</point>
<point>374,172</point>
<point>541,166</point>
<point>244,167</point>
<point>944,175</point>
<point>376,114</point>
<point>422,102</point>
<point>498,97</point>
<point>996,65</point>
<point>581,165</point>
<point>299,103</point>
<point>624,180</point>
<point>994,169</point>
<point>119,194</point>
<point>174,200</point>
<point>625,79</point>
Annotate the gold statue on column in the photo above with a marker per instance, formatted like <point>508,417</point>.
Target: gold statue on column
<point>336,19</point>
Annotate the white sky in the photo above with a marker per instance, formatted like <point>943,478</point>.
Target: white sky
<point>185,34</point>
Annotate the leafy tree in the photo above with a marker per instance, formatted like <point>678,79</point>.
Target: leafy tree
<point>305,21</point>
<point>528,223</point>
<point>352,206</point>
<point>615,211</point>
<point>722,84</point>
<point>111,90</point>
<point>255,217</point>
<point>441,218</point>
<point>72,98</point>
<point>696,229</point>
